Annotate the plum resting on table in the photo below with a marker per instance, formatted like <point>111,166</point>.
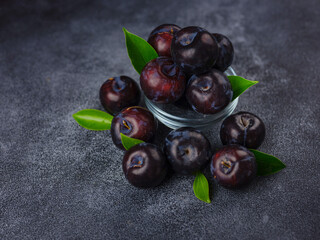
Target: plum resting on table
<point>243,128</point>
<point>144,165</point>
<point>135,122</point>
<point>233,166</point>
<point>187,150</point>
<point>118,93</point>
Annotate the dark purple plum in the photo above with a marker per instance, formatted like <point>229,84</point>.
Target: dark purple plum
<point>233,166</point>
<point>162,81</point>
<point>144,165</point>
<point>118,93</point>
<point>194,49</point>
<point>210,92</point>
<point>135,122</point>
<point>243,128</point>
<point>160,38</point>
<point>226,52</point>
<point>187,150</point>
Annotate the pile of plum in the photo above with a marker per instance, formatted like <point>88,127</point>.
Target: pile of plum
<point>191,63</point>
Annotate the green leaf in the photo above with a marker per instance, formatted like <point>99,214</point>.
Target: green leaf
<point>239,85</point>
<point>139,50</point>
<point>129,142</point>
<point>266,163</point>
<point>201,187</point>
<point>93,119</point>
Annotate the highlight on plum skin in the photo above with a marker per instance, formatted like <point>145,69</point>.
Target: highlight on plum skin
<point>161,37</point>
<point>135,122</point>
<point>117,93</point>
<point>209,93</point>
<point>226,52</point>
<point>233,166</point>
<point>187,150</point>
<point>162,81</point>
<point>144,165</point>
<point>243,128</point>
<point>194,49</point>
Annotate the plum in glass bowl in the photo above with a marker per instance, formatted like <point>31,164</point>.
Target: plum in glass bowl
<point>180,114</point>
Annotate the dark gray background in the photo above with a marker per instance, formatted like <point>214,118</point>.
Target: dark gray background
<point>61,181</point>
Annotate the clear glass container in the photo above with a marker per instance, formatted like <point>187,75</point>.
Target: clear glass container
<point>179,114</point>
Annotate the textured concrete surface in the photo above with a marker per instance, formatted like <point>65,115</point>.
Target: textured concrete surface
<point>59,181</point>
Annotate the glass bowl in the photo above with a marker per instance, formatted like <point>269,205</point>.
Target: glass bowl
<point>179,114</point>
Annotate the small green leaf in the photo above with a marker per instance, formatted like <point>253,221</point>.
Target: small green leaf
<point>129,142</point>
<point>139,50</point>
<point>266,163</point>
<point>201,187</point>
<point>239,85</point>
<point>93,119</point>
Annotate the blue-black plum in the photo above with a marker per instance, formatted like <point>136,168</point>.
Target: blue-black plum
<point>210,92</point>
<point>144,165</point>
<point>194,49</point>
<point>243,128</point>
<point>187,150</point>
<point>118,93</point>
<point>233,166</point>
<point>226,52</point>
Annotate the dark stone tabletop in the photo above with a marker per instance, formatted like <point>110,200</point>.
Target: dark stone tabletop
<point>60,181</point>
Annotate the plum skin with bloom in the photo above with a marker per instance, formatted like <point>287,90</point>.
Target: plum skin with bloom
<point>226,52</point>
<point>243,128</point>
<point>145,165</point>
<point>233,166</point>
<point>162,81</point>
<point>209,93</point>
<point>161,37</point>
<point>135,122</point>
<point>187,150</point>
<point>194,49</point>
<point>118,93</point>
